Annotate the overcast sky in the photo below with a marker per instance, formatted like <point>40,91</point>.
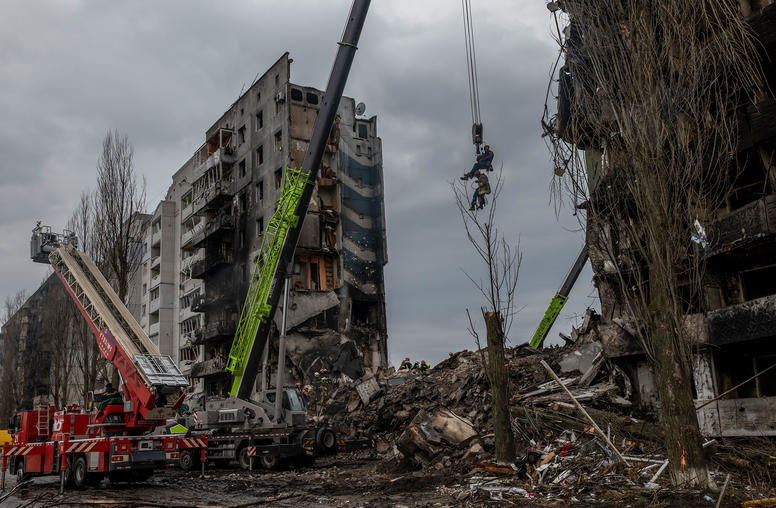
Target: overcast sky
<point>162,72</point>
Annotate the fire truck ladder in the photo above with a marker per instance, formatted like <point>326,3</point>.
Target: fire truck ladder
<point>257,308</point>
<point>103,309</point>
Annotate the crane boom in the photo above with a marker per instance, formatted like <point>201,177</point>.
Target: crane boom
<point>283,230</point>
<point>559,300</point>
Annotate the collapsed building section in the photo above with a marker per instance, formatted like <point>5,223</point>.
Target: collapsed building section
<point>733,320</point>
<point>223,197</point>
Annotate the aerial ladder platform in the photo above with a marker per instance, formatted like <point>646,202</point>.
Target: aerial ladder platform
<point>152,382</point>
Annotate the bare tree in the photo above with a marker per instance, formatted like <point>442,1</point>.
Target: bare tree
<point>92,368</point>
<point>502,262</point>
<point>61,323</point>
<point>10,342</point>
<point>646,92</point>
<point>117,200</point>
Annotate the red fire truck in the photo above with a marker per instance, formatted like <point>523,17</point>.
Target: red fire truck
<point>116,438</point>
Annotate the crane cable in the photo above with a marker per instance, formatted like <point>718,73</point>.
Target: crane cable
<point>471,62</point>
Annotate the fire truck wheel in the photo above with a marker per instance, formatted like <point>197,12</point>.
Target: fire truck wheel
<point>21,476</point>
<point>243,459</point>
<point>188,460</point>
<point>325,441</point>
<point>79,473</point>
<point>269,462</point>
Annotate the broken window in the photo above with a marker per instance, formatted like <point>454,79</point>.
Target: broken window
<point>259,120</point>
<point>312,98</point>
<point>758,283</point>
<point>278,178</point>
<point>241,165</point>
<point>296,95</point>
<point>243,202</point>
<point>145,288</point>
<point>260,190</point>
<point>154,294</point>
<point>242,238</point>
<point>260,156</point>
<point>279,141</point>
<point>258,97</point>
<point>186,199</point>
<point>260,226</point>
<point>241,134</point>
<point>308,271</point>
<point>363,132</point>
<point>242,111</point>
<point>143,311</point>
<point>277,79</point>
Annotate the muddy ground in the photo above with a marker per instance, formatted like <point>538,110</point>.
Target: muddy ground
<point>337,481</point>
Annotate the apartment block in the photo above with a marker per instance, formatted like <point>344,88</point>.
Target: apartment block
<point>214,216</point>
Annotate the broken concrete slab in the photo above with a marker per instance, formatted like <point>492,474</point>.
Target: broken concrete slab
<point>581,359</point>
<point>302,309</point>
<point>367,389</point>
<point>430,431</point>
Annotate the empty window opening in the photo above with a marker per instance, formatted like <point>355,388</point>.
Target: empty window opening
<point>260,226</point>
<point>312,98</point>
<point>243,202</point>
<point>363,132</point>
<point>241,134</point>
<point>242,111</point>
<point>186,199</point>
<point>758,283</point>
<point>260,156</point>
<point>278,178</point>
<point>242,238</point>
<point>259,120</point>
<point>241,165</point>
<point>279,141</point>
<point>296,95</point>
<point>260,190</point>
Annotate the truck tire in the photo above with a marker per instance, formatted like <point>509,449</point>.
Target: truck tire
<point>243,459</point>
<point>269,462</point>
<point>79,472</point>
<point>325,441</point>
<point>21,476</point>
<point>188,460</point>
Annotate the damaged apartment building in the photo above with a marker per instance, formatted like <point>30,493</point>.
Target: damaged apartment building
<point>735,334</point>
<point>204,238</point>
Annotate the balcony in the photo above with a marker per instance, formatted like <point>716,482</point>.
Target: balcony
<point>741,227</point>
<point>155,261</point>
<point>209,263</point>
<point>186,212</point>
<point>225,155</point>
<point>156,280</point>
<point>208,367</point>
<point>153,329</point>
<point>214,330</point>
<point>154,306</point>
<point>218,224</point>
<point>213,197</point>
<point>156,238</point>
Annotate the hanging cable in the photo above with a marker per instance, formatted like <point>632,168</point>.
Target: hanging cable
<point>471,69</point>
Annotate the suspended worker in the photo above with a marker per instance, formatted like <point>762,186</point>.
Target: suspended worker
<point>484,161</point>
<point>483,188</point>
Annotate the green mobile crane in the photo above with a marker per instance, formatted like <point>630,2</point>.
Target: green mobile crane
<point>274,427</point>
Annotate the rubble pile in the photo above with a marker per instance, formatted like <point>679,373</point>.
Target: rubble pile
<point>440,421</point>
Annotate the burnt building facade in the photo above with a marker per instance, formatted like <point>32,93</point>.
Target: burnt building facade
<point>225,194</point>
<point>733,323</point>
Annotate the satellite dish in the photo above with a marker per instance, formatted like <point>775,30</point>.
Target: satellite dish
<point>360,108</point>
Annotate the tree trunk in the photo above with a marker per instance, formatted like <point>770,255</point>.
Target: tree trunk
<point>499,388</point>
<point>687,463</point>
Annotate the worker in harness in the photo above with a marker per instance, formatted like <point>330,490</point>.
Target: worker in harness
<point>484,161</point>
<point>483,188</point>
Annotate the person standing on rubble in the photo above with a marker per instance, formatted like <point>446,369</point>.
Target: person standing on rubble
<point>406,364</point>
<point>424,366</point>
<point>484,161</point>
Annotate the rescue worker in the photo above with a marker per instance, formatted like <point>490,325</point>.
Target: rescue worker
<point>424,366</point>
<point>484,161</point>
<point>483,188</point>
<point>415,366</point>
<point>406,364</point>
